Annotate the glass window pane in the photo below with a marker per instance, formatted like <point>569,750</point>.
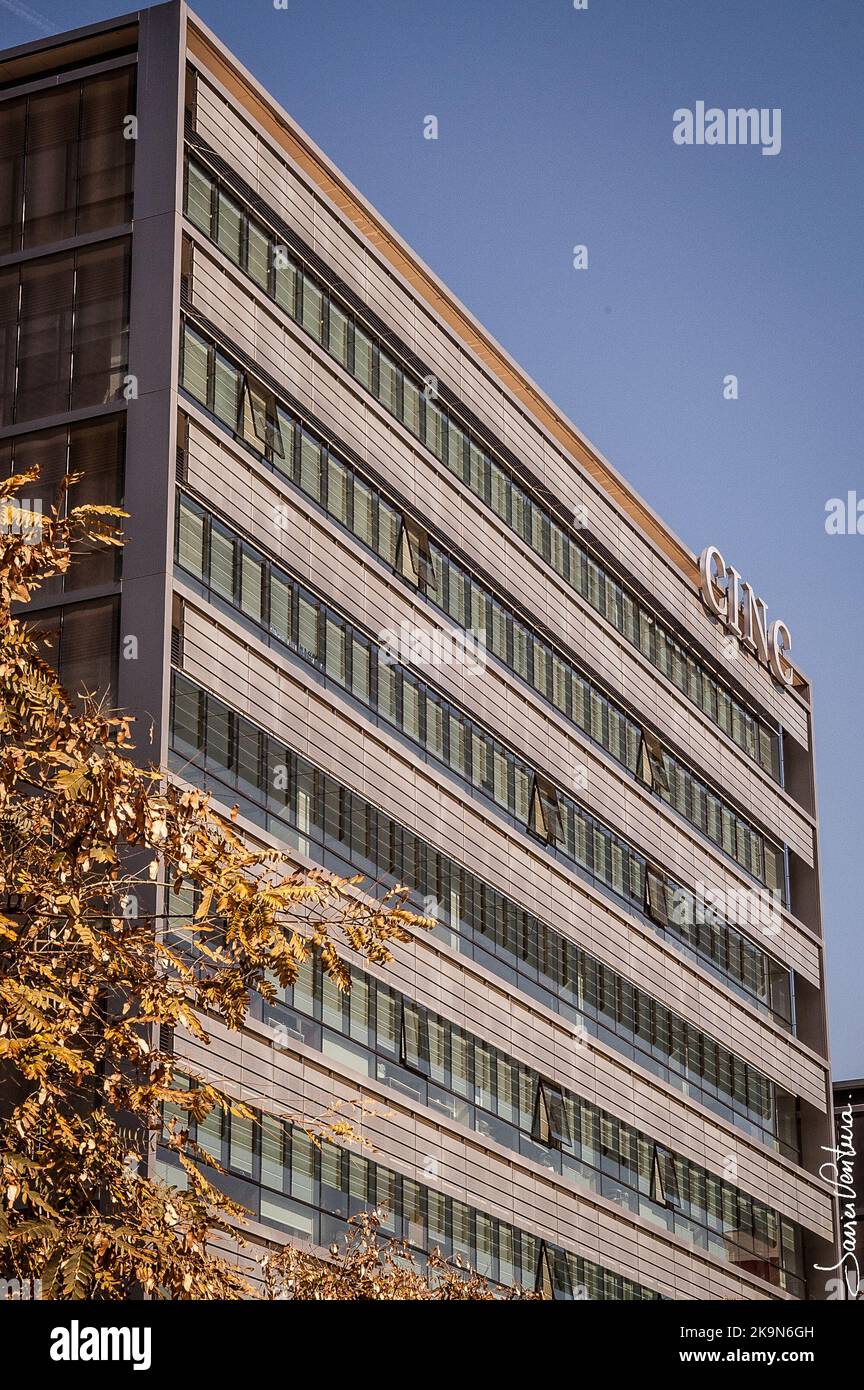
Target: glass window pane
<point>251,584</point>
<point>100,344</point>
<point>195,357</point>
<point>338,340</point>
<point>105,156</point>
<point>222,560</point>
<point>310,465</point>
<point>191,538</point>
<point>230,227</point>
<point>241,1156</point>
<point>338,485</point>
<point>285,281</point>
<point>226,391</point>
<point>388,378</point>
<point>199,190</point>
<point>308,628</point>
<point>259,256</point>
<point>363,357</point>
<point>45,346</point>
<point>272,1159</point>
<point>280,606</point>
<point>13,122</point>
<point>51,168</point>
<point>313,308</point>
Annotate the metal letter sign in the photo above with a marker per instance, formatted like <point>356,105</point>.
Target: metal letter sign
<point>725,594</point>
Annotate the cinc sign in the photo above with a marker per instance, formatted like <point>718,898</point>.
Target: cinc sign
<point>725,594</point>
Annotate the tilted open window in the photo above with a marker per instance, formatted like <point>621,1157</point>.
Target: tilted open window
<point>664,1179</point>
<point>259,421</point>
<point>414,558</point>
<point>552,1279</point>
<point>414,1039</point>
<point>652,769</point>
<point>544,813</point>
<point>656,902</point>
<point>550,1125</point>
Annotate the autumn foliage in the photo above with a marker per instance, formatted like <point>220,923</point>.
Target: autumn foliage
<point>88,988</point>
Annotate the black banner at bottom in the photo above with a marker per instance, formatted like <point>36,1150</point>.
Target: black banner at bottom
<point>206,1338</point>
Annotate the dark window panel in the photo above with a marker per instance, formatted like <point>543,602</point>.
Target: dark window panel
<point>8,341</point>
<point>94,449</point>
<point>13,120</point>
<point>101,346</point>
<point>105,155</point>
<point>82,645</point>
<point>51,167</point>
<point>45,340</point>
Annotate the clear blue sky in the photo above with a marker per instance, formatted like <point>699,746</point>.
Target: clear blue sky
<point>555,128</point>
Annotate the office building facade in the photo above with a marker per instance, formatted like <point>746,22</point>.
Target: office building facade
<point>383,597</point>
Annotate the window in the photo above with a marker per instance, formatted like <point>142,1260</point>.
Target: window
<point>229,222</point>
<point>388,382</point>
<point>652,768</point>
<point>413,557</point>
<point>93,448</point>
<point>82,645</point>
<point>100,340</point>
<point>242,1145</point>
<point>66,166</point>
<point>655,898</point>
<point>307,634</point>
<point>544,816</point>
<point>228,384</point>
<point>186,717</point>
<point>195,361</point>
<point>338,485</point>
<point>285,283</point>
<point>549,1124</point>
<point>272,1154</point>
<point>310,465</point>
<point>222,560</point>
<point>209,1134</point>
<point>338,334</point>
<point>259,256</point>
<point>414,1049</point>
<point>280,606</point>
<point>45,336</point>
<point>664,1179</point>
<point>199,197</point>
<point>313,309</point>
<point>544,1281</point>
<point>406,559</point>
<point>191,537</point>
<point>251,584</point>
<point>411,406</point>
<point>74,310</point>
<point>260,421</point>
<point>363,357</point>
